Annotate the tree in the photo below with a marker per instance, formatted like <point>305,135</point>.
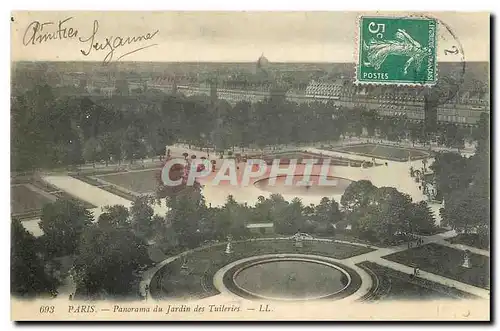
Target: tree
<point>111,145</point>
<point>417,133</point>
<point>451,172</point>
<point>357,195</point>
<point>44,130</point>
<point>92,151</point>
<point>141,214</point>
<point>467,210</point>
<point>326,214</point>
<point>453,136</point>
<point>289,218</point>
<point>27,273</point>
<point>133,144</point>
<point>385,213</point>
<point>465,185</point>
<point>242,131</point>
<point>231,220</point>
<point>164,234</point>
<point>261,213</point>
<point>115,216</point>
<point>187,212</point>
<point>62,223</point>
<point>370,121</point>
<point>480,162</point>
<point>482,133</point>
<point>420,219</point>
<point>106,261</point>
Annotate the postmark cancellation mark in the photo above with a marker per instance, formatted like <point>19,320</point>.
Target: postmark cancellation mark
<point>397,50</point>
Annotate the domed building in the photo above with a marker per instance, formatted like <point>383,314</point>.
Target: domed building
<point>262,65</point>
<point>262,62</point>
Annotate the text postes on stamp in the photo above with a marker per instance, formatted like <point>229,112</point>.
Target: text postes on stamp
<point>397,50</point>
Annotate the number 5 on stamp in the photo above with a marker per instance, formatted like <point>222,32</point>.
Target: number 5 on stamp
<point>397,50</point>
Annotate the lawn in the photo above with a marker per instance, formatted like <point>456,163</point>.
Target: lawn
<point>27,203</point>
<point>171,282</point>
<point>446,262</point>
<point>136,181</point>
<point>390,284</point>
<point>24,200</point>
<point>472,239</point>
<point>384,152</point>
<point>301,156</point>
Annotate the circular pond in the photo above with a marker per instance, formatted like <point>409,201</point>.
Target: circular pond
<point>291,278</point>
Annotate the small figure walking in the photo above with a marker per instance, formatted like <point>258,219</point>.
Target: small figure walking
<point>71,297</point>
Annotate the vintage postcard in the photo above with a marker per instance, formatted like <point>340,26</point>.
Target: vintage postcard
<point>250,166</point>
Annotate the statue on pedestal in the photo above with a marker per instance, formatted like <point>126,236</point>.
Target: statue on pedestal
<point>229,246</point>
<point>298,241</point>
<point>466,263</point>
<point>184,267</point>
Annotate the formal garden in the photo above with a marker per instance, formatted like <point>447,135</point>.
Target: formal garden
<point>390,285</point>
<point>447,262</point>
<point>139,181</point>
<point>25,200</point>
<point>191,274</point>
<point>387,152</point>
<point>110,253</point>
<point>29,194</point>
<point>471,239</point>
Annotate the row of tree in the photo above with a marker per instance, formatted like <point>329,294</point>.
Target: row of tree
<point>464,185</point>
<point>376,214</point>
<point>51,128</point>
<point>106,252</point>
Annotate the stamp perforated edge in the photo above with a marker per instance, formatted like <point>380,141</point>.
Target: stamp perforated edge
<point>357,38</point>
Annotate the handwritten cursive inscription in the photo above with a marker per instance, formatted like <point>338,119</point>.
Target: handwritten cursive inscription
<point>112,43</point>
<point>40,32</point>
<point>36,32</point>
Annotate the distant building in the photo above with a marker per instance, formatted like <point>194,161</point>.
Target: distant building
<point>324,91</point>
<point>261,228</point>
<point>279,82</point>
<point>464,109</point>
<point>262,65</point>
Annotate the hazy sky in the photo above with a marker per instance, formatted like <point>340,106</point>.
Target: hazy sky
<point>226,36</point>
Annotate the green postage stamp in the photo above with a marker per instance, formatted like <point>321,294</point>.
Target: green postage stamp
<point>397,50</point>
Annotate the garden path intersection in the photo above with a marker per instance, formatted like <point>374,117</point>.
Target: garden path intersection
<point>395,174</point>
